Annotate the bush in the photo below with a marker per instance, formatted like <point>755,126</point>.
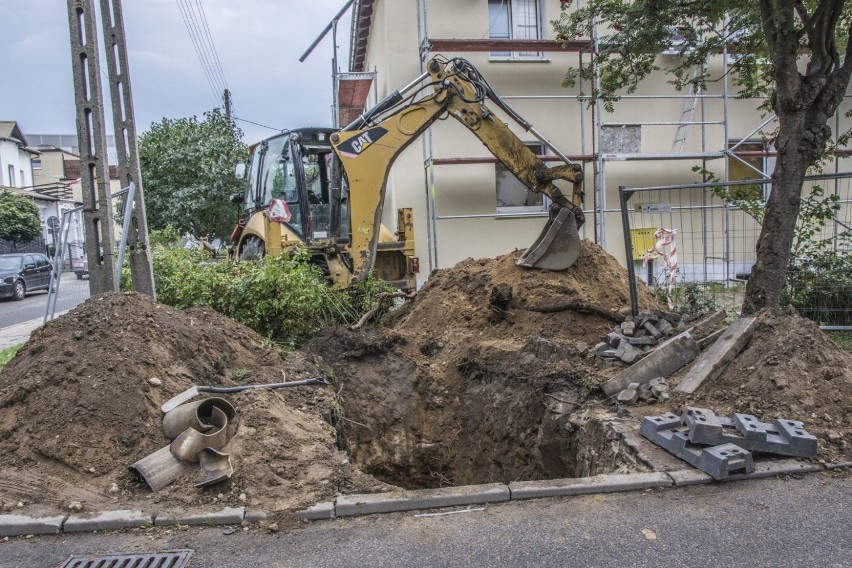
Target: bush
<point>286,298</point>
<point>820,288</point>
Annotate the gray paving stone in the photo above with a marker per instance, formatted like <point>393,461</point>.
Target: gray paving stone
<point>349,505</point>
<point>317,512</point>
<point>609,483</point>
<point>684,477</point>
<point>107,521</point>
<point>227,516</point>
<point>14,525</point>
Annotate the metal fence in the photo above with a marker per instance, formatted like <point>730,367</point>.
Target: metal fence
<point>694,245</point>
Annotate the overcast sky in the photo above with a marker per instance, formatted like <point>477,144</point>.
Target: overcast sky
<point>258,42</point>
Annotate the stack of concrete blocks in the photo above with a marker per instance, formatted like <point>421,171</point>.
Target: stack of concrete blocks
<point>655,390</point>
<point>731,441</point>
<point>637,335</point>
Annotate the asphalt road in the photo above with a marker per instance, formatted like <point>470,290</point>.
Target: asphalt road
<point>770,522</point>
<point>71,293</point>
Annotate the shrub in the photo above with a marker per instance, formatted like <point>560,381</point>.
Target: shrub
<point>285,299</point>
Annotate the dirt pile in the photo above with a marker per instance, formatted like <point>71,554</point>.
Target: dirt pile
<point>460,390</point>
<point>77,406</point>
<point>790,369</point>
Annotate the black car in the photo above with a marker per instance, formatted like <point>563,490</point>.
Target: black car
<point>22,273</point>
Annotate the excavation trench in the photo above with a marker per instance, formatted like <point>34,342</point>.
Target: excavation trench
<point>502,411</point>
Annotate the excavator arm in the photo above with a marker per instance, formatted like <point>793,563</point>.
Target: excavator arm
<point>368,147</point>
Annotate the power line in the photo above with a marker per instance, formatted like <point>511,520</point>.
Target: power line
<point>259,124</point>
<point>204,48</point>
<point>212,43</point>
<point>197,50</point>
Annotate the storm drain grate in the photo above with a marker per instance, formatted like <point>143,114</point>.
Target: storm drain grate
<point>167,559</point>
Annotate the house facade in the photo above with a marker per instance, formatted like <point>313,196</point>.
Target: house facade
<point>15,155</point>
<point>467,205</point>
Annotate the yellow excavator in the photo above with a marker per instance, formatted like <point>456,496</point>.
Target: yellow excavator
<point>325,188</point>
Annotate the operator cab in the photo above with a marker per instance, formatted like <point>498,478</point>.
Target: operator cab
<point>296,178</point>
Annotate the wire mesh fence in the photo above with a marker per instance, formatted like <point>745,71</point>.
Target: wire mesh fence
<point>694,245</point>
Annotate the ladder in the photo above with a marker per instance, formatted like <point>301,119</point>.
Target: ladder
<point>688,111</point>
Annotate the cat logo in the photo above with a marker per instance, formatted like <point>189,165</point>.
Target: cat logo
<point>353,147</point>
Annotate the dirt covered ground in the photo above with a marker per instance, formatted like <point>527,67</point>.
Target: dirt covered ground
<point>77,406</point>
<point>790,369</point>
<point>487,375</point>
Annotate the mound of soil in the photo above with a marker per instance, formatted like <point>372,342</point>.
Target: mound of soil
<point>790,369</point>
<point>77,406</point>
<point>478,377</point>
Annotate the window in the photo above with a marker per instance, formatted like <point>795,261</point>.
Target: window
<point>36,163</point>
<point>750,164</point>
<point>512,195</point>
<point>12,176</point>
<point>514,19</point>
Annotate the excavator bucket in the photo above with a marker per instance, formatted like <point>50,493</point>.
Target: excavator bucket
<point>558,246</point>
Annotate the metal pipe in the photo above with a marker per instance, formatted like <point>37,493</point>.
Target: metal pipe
<point>325,31</point>
<point>623,197</point>
<point>818,177</point>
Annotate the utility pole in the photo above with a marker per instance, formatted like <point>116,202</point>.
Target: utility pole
<point>228,105</point>
<point>91,134</point>
<point>141,269</point>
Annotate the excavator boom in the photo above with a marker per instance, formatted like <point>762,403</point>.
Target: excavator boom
<point>368,147</point>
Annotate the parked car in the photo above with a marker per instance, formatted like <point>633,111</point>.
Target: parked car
<point>22,273</point>
<point>80,266</point>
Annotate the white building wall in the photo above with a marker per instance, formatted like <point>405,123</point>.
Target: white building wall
<point>11,156</point>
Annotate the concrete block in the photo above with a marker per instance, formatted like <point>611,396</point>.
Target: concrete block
<point>630,354</point>
<point>684,477</point>
<point>628,328</point>
<point>609,483</point>
<point>349,505</point>
<point>665,327</point>
<point>227,516</point>
<point>704,426</point>
<point>14,525</point>
<point>107,521</point>
<point>317,512</point>
<point>800,441</point>
<point>628,396</point>
<point>634,386</point>
<point>726,459</point>
<point>720,354</point>
<point>662,362</point>
<point>652,329</point>
<point>642,341</point>
<point>613,338</point>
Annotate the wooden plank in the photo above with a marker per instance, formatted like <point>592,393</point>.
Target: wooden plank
<point>720,354</point>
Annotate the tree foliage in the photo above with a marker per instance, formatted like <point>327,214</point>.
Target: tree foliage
<point>19,220</point>
<point>793,52</point>
<point>188,170</point>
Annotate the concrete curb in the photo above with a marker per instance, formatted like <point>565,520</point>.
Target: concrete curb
<point>367,504</point>
<point>107,520</point>
<point>227,516</point>
<point>15,525</point>
<point>611,483</point>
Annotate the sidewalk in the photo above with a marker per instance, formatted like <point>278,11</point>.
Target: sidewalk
<point>20,332</point>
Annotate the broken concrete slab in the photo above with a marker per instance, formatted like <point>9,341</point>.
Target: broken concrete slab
<point>663,361</point>
<point>608,483</point>
<point>706,326</point>
<point>720,354</point>
<point>366,504</point>
<point>16,525</point>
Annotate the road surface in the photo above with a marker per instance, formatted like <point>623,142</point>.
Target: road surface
<point>71,293</point>
<point>760,523</point>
